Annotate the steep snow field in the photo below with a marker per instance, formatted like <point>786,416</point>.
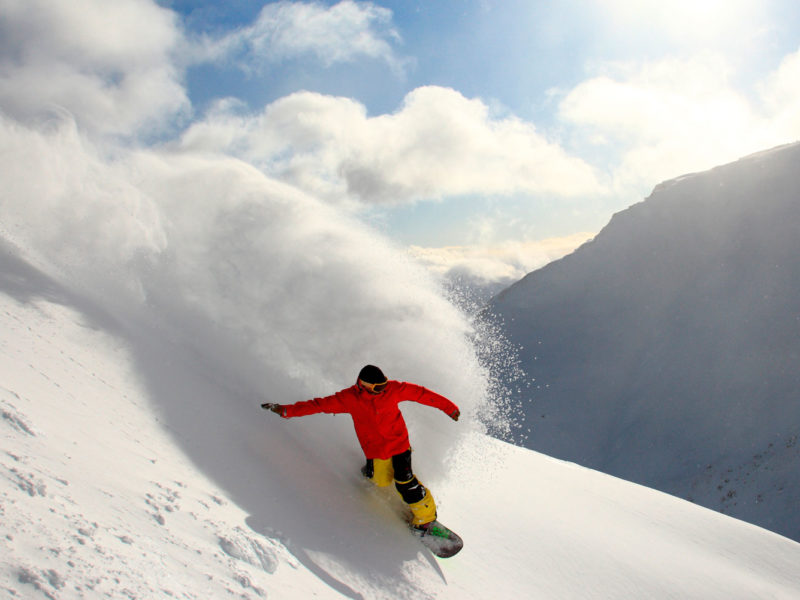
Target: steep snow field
<point>127,470</point>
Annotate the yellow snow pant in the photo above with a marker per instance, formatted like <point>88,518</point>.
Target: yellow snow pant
<point>383,472</point>
<point>423,511</point>
<point>398,470</point>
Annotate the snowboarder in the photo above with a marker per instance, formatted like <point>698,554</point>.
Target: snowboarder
<point>381,431</point>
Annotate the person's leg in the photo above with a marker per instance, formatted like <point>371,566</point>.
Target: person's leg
<point>379,471</point>
<point>416,495</point>
<point>368,469</point>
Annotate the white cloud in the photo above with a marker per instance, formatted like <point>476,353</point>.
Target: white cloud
<point>438,144</point>
<point>687,22</point>
<point>109,64</point>
<point>115,68</point>
<point>286,30</point>
<point>498,263</point>
<point>662,119</point>
<point>780,93</point>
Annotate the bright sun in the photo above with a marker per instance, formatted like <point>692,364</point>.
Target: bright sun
<point>689,22</point>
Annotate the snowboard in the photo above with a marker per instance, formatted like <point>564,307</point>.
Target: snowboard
<point>440,540</point>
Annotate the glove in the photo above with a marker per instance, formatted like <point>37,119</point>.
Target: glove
<point>455,414</point>
<point>276,408</point>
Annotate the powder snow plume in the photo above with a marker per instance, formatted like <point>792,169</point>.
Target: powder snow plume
<point>285,294</point>
<point>289,296</point>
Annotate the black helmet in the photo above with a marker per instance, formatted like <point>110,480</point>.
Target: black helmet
<point>371,374</point>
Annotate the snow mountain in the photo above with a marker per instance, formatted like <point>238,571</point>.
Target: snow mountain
<point>129,468</point>
<point>666,351</point>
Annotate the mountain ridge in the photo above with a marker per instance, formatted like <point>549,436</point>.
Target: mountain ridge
<point>670,335</point>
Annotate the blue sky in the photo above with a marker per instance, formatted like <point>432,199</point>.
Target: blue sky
<point>522,60</point>
<point>505,52</point>
<point>489,130</point>
<point>512,52</point>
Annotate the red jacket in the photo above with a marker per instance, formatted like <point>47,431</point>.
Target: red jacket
<point>379,424</point>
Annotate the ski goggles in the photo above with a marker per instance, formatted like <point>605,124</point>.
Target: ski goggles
<point>373,388</point>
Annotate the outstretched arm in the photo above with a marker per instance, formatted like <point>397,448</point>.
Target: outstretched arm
<point>329,404</point>
<point>422,395</point>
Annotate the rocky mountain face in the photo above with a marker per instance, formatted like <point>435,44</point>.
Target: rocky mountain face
<point>666,351</point>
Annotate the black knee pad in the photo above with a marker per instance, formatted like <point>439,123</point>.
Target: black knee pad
<point>401,463</point>
<point>412,491</point>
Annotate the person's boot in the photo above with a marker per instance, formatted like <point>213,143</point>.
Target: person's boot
<point>423,512</point>
<point>368,470</point>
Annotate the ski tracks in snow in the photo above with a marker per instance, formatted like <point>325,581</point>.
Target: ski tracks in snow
<point>94,500</point>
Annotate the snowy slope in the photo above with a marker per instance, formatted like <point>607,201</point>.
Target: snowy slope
<point>105,494</point>
<point>666,350</point>
<point>152,295</point>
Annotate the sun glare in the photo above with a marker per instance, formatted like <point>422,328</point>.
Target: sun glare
<point>689,22</point>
